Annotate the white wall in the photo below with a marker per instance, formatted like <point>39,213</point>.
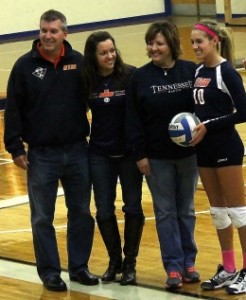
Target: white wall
<point>238,7</point>
<point>23,15</point>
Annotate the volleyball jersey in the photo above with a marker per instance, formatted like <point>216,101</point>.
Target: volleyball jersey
<point>219,96</point>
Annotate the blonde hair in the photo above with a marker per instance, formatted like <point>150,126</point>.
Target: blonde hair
<point>225,45</point>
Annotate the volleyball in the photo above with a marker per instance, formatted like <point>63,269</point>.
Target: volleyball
<point>181,128</point>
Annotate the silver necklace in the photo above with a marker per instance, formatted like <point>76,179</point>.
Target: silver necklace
<point>107,95</point>
<point>165,70</point>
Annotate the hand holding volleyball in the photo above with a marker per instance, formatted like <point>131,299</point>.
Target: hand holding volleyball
<point>181,128</point>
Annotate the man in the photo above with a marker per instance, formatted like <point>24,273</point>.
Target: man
<point>45,110</point>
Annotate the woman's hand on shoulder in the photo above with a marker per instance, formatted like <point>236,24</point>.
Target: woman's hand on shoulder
<point>244,63</point>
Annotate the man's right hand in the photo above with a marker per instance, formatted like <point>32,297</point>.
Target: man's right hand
<point>21,162</point>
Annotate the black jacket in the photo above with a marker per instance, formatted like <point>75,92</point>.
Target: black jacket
<point>45,106</point>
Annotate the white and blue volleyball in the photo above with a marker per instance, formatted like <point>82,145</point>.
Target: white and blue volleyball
<point>181,128</point>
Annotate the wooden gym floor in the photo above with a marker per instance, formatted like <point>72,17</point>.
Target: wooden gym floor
<point>18,278</point>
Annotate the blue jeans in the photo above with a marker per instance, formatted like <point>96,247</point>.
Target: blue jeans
<point>172,184</point>
<point>70,165</point>
<point>105,172</point>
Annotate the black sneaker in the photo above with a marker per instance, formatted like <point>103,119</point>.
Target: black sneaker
<point>239,286</point>
<point>174,281</point>
<point>220,279</point>
<point>191,275</point>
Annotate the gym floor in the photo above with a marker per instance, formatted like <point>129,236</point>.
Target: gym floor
<point>18,276</point>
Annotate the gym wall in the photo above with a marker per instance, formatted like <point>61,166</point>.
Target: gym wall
<point>238,7</point>
<point>22,16</point>
<point>194,7</point>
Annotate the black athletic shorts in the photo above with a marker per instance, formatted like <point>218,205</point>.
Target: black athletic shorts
<point>220,149</point>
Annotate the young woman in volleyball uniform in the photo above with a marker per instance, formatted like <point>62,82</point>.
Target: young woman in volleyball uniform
<point>214,106</point>
<point>220,103</point>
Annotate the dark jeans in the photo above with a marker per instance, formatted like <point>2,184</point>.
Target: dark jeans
<point>70,165</point>
<point>105,172</point>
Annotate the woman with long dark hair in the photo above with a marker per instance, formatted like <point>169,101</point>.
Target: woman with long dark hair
<point>106,76</point>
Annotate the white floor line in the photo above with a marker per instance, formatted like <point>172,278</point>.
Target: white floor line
<point>112,291</point>
<point>22,200</point>
<point>7,160</point>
